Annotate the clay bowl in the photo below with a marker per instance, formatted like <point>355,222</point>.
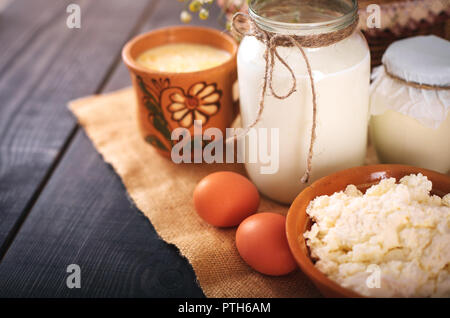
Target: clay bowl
<point>363,177</point>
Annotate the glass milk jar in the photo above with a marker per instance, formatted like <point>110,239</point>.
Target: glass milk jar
<point>341,73</point>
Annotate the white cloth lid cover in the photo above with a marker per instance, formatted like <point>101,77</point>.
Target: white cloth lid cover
<point>420,59</point>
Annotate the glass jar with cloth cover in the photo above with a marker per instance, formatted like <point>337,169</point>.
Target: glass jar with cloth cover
<point>410,104</point>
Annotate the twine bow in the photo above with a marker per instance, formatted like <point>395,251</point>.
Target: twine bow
<point>415,84</point>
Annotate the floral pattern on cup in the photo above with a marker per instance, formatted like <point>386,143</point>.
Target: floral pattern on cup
<point>152,101</point>
<point>200,102</point>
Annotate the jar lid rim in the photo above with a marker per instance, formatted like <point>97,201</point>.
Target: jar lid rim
<point>300,28</point>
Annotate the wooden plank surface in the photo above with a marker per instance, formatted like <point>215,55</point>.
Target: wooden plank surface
<point>83,216</point>
<point>57,64</point>
<point>17,29</point>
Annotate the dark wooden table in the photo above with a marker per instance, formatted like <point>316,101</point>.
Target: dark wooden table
<point>60,204</point>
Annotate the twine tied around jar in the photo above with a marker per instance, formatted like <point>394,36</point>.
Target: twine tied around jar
<point>244,25</point>
<point>414,84</point>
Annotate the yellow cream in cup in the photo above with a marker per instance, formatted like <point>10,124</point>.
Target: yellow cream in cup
<point>182,57</point>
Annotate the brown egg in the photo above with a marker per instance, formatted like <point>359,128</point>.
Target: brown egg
<point>262,243</point>
<point>225,198</point>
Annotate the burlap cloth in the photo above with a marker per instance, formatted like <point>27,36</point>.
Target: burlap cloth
<point>163,191</point>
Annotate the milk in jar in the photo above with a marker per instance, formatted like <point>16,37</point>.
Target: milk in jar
<point>341,73</point>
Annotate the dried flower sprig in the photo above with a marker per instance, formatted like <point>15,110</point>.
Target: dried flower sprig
<point>229,7</point>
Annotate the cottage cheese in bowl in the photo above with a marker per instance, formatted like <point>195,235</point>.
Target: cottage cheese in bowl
<point>392,241</point>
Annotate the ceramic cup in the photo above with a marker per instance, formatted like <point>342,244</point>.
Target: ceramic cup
<point>156,91</point>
